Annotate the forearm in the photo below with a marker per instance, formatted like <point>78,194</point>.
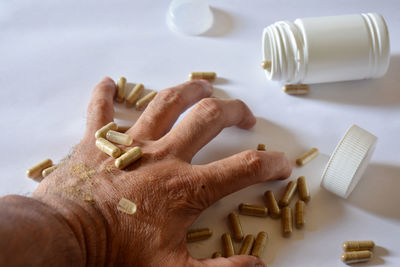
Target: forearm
<point>33,233</point>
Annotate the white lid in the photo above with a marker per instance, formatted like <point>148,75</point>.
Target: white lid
<point>349,161</point>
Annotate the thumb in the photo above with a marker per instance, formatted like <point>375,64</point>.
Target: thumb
<point>234,261</point>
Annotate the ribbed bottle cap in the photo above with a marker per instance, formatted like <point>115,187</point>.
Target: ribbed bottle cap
<point>349,161</point>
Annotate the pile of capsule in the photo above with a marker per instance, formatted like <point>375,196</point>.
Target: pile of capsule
<point>357,251</point>
<point>255,246</point>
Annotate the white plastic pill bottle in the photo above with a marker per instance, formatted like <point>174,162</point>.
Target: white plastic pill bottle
<point>326,49</point>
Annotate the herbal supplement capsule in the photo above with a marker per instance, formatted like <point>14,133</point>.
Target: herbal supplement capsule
<point>307,157</point>
<point>299,214</point>
<point>266,65</point>
<point>358,245</point>
<point>35,172</point>
<point>287,222</point>
<point>135,94</point>
<point>123,129</point>
<point>48,170</point>
<point>227,245</point>
<point>272,205</point>
<point>289,194</point>
<point>259,244</point>
<point>210,76</point>
<point>261,147</point>
<point>101,133</point>
<point>216,254</point>
<point>119,138</point>
<point>126,206</point>
<point>356,256</point>
<point>247,245</point>
<point>108,147</point>
<point>296,89</point>
<point>121,84</point>
<point>302,188</point>
<point>129,157</point>
<point>236,226</point>
<point>144,101</point>
<point>253,210</point>
<point>198,234</point>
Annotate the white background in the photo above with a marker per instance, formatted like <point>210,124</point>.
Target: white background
<point>52,54</point>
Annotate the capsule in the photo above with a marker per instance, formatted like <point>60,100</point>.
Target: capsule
<point>48,170</point>
<point>119,138</point>
<point>356,256</point>
<point>253,210</point>
<point>108,147</point>
<point>266,65</point>
<point>307,157</point>
<point>259,244</point>
<point>296,89</point>
<point>358,245</point>
<point>144,101</point>
<point>261,147</point>
<point>247,245</point>
<point>302,188</point>
<point>135,94</point>
<point>126,206</point>
<point>287,222</point>
<point>123,129</point>
<point>216,254</point>
<point>272,204</point>
<point>35,172</point>
<point>101,133</point>
<point>121,84</point>
<point>198,234</point>
<point>299,214</point>
<point>236,227</point>
<point>128,157</point>
<point>210,76</point>
<point>289,194</point>
<point>227,245</point>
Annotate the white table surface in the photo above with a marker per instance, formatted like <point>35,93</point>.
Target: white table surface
<point>53,53</point>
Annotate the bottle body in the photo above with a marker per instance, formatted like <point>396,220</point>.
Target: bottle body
<point>327,49</point>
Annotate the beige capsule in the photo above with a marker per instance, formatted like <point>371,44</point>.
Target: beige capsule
<point>101,133</point>
<point>259,244</point>
<point>302,188</point>
<point>287,227</point>
<point>299,213</point>
<point>253,210</point>
<point>227,245</point>
<point>288,194</point>
<point>144,101</point>
<point>123,129</point>
<point>307,157</point>
<point>261,147</point>
<point>35,172</point>
<point>135,94</point>
<point>210,76</point>
<point>296,89</point>
<point>128,157</point>
<point>247,245</point>
<point>48,170</point>
<point>272,204</point>
<point>216,254</point>
<point>358,245</point>
<point>266,65</point>
<point>126,206</point>
<point>119,138</point>
<point>235,226</point>
<point>108,147</point>
<point>356,256</point>
<point>198,234</point>
<point>121,84</point>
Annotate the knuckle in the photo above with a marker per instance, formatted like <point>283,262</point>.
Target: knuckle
<point>99,105</point>
<point>253,162</point>
<point>169,97</point>
<point>210,110</point>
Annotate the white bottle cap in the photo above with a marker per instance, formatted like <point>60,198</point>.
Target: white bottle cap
<point>191,17</point>
<point>349,161</point>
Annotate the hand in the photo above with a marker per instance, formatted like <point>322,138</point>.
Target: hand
<point>169,192</point>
